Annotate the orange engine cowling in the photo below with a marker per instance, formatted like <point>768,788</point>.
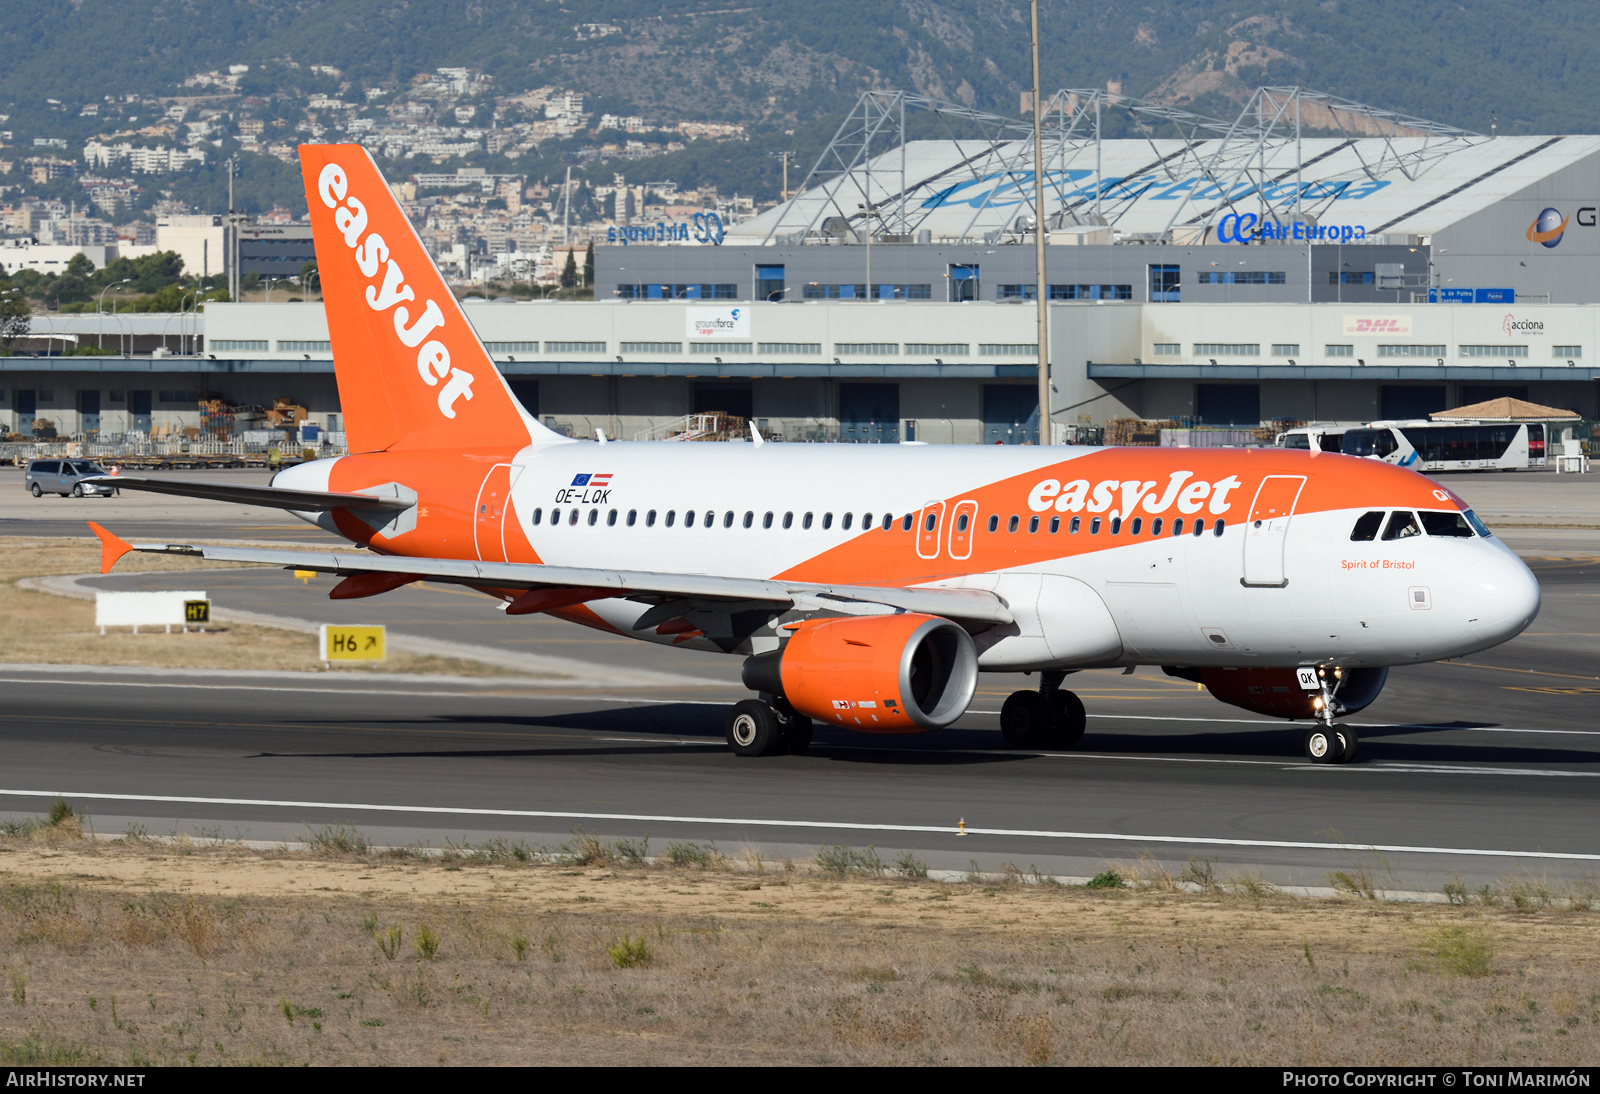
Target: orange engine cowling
<point>904,673</point>
<point>1277,692</point>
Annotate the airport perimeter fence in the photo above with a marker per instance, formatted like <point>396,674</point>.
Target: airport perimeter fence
<point>136,451</point>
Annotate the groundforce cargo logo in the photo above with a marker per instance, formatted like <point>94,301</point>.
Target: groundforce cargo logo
<point>1547,228</point>
<point>372,252</point>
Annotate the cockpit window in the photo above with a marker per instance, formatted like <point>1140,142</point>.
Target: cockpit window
<point>1401,525</point>
<point>1446,524</point>
<point>1477,525</point>
<point>1366,528</point>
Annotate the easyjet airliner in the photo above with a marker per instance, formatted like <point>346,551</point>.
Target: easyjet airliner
<point>865,586</point>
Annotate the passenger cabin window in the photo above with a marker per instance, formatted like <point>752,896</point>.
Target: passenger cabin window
<point>1177,527</point>
<point>844,521</point>
<point>888,521</point>
<point>1446,524</point>
<point>555,517</point>
<point>1116,525</point>
<point>1094,526</point>
<point>1155,527</point>
<point>827,521</point>
<point>962,522</point>
<point>788,520</point>
<point>1401,525</point>
<point>805,521</point>
<point>1011,525</point>
<point>572,516</point>
<point>866,521</point>
<point>1072,529</point>
<point>749,519</point>
<point>671,515</point>
<point>1138,522</point>
<point>538,515</point>
<point>1366,528</point>
<point>1221,524</point>
<point>1033,525</point>
<point>711,518</point>
<point>611,519</point>
<point>727,519</point>
<point>1055,525</point>
<point>766,521</point>
<point>905,522</point>
<point>650,519</point>
<point>1199,527</point>
<point>633,515</point>
<point>994,523</point>
<point>594,515</point>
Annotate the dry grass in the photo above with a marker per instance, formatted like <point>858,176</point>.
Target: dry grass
<point>43,628</point>
<point>144,953</point>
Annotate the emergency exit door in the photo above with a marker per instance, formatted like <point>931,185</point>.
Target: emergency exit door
<point>494,503</point>
<point>1268,528</point>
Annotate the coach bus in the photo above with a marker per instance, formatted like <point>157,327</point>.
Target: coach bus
<point>1449,446</point>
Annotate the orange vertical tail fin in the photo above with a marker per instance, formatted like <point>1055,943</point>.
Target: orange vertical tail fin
<point>411,370</point>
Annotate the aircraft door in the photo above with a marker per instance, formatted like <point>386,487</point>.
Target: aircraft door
<point>494,502</point>
<point>962,521</point>
<point>928,531</point>
<point>1267,529</point>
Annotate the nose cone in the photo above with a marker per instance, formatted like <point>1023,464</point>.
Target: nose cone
<point>1501,596</point>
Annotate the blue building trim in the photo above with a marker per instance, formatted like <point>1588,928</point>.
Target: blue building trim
<point>1502,373</point>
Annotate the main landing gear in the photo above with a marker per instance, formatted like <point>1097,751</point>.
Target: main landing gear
<point>1047,718</point>
<point>757,727</point>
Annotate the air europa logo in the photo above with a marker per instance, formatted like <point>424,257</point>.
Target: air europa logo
<point>1547,228</point>
<point>1190,497</point>
<point>372,255</point>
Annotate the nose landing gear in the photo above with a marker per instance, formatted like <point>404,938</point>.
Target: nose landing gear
<point>1328,743</point>
<point>1047,718</point>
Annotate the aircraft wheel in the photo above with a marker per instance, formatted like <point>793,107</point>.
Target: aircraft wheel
<point>1348,737</point>
<point>1325,745</point>
<point>1027,720</point>
<point>1071,719</point>
<point>798,734</point>
<point>753,729</point>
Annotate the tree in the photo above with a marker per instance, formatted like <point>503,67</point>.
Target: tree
<point>14,316</point>
<point>588,266</point>
<point>569,272</point>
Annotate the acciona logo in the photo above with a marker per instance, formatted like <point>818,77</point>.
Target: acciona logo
<point>1512,325</point>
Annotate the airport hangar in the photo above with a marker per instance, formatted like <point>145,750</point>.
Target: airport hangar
<point>1229,272</point>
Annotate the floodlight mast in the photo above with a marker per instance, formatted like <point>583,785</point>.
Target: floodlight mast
<point>1041,290</point>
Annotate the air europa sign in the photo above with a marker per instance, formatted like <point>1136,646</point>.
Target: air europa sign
<point>1249,228</point>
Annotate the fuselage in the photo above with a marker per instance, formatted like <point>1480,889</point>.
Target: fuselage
<point>1105,556</point>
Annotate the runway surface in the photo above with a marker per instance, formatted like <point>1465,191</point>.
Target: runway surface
<point>1478,769</point>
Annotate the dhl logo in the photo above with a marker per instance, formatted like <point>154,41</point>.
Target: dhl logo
<point>1378,326</point>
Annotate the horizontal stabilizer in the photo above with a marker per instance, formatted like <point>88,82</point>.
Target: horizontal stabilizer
<point>303,501</point>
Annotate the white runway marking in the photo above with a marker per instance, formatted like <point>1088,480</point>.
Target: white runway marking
<point>763,822</point>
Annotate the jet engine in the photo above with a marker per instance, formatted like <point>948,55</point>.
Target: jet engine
<point>904,673</point>
<point>1276,692</point>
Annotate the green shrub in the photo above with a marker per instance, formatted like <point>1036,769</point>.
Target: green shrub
<point>426,943</point>
<point>690,854</point>
<point>630,953</point>
<point>1107,879</point>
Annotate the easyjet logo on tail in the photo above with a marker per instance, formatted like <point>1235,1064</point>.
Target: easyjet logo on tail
<point>389,291</point>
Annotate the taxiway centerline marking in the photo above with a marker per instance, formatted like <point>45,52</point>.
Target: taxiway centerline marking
<point>861,826</point>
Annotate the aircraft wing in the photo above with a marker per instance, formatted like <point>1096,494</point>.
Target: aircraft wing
<point>306,501</point>
<point>667,590</point>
